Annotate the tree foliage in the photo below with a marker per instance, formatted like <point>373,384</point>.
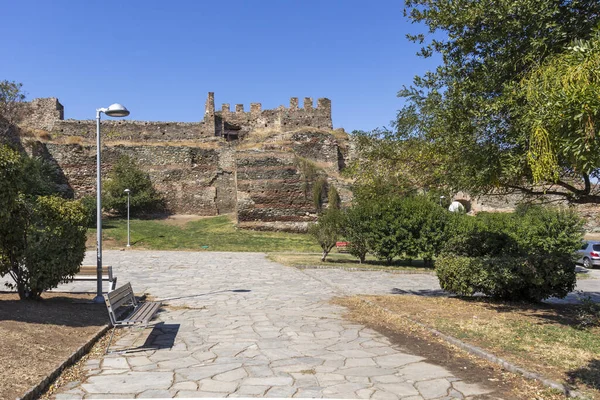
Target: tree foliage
<point>126,174</point>
<point>562,113</point>
<point>42,237</point>
<point>464,125</point>
<point>11,94</point>
<point>327,230</point>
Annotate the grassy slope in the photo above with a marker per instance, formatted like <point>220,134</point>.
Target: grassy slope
<point>218,233</point>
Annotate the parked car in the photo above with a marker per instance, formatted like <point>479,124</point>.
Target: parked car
<point>589,254</point>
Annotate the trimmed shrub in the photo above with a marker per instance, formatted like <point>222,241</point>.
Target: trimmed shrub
<point>526,256</point>
<point>507,277</point>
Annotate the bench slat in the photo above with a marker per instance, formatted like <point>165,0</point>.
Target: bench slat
<point>121,296</point>
<point>143,313</point>
<point>91,270</point>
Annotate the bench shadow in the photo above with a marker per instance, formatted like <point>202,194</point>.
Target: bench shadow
<point>206,294</point>
<point>162,336</point>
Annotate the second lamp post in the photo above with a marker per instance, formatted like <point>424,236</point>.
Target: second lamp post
<point>127,191</point>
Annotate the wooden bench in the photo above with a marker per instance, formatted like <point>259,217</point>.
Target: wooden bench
<point>122,298</point>
<point>88,273</point>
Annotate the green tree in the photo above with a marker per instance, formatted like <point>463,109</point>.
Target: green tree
<point>11,94</point>
<point>467,115</point>
<point>126,174</point>
<point>42,238</point>
<point>327,230</point>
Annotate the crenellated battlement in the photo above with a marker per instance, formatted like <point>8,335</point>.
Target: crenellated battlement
<point>239,123</point>
<point>48,115</point>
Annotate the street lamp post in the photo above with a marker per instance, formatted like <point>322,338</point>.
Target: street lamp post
<point>114,110</point>
<point>127,191</point>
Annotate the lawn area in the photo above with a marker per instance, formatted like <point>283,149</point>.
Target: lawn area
<point>212,234</point>
<point>541,338</point>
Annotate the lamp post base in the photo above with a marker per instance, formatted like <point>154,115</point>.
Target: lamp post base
<point>99,299</point>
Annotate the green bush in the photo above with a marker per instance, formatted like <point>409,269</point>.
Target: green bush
<point>89,204</point>
<point>389,235</point>
<point>506,277</point>
<point>356,229</point>
<point>522,256</point>
<point>126,174</point>
<point>42,238</point>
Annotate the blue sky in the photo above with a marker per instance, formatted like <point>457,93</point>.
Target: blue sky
<point>161,58</point>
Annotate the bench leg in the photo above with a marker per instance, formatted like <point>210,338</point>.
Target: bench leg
<point>113,284</point>
<point>110,340</point>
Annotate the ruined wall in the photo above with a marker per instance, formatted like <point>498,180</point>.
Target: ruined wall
<point>40,113</point>
<point>241,123</point>
<point>48,115</point>
<point>271,193</point>
<point>125,130</point>
<point>193,180</point>
<point>193,165</point>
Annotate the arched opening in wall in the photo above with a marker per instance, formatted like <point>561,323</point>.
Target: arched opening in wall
<point>466,204</point>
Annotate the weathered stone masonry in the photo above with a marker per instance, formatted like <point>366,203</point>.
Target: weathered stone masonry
<point>206,167</point>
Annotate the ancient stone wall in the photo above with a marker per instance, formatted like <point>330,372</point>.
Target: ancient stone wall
<point>195,166</point>
<point>48,115</point>
<point>239,123</point>
<point>136,131</point>
<point>191,179</point>
<point>40,113</point>
<point>271,192</point>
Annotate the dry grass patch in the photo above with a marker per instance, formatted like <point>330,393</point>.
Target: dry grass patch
<point>419,341</point>
<point>542,338</point>
<point>37,336</point>
<point>347,261</point>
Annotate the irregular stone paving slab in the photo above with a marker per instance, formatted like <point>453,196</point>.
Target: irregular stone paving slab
<point>238,325</point>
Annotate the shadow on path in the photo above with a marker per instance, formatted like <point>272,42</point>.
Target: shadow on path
<point>206,294</point>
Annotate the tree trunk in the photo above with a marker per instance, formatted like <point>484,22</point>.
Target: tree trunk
<point>325,252</point>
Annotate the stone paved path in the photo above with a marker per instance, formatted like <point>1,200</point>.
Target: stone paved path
<point>378,283</point>
<point>238,325</point>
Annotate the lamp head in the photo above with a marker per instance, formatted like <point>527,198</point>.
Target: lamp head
<point>127,190</point>
<point>116,110</point>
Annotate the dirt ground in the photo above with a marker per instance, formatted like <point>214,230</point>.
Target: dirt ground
<point>37,336</point>
<point>182,219</point>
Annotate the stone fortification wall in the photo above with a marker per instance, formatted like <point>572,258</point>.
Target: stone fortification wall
<point>48,115</point>
<point>136,131</point>
<point>39,114</point>
<point>193,180</point>
<point>195,166</point>
<point>271,193</point>
<point>240,123</point>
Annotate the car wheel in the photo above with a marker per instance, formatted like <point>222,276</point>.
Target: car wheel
<point>587,263</point>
